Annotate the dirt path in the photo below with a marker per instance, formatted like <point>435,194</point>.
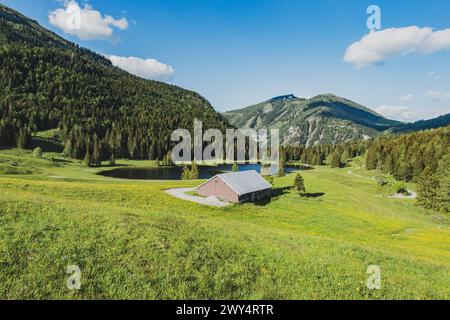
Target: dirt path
<point>350,172</point>
<point>410,195</point>
<point>180,193</point>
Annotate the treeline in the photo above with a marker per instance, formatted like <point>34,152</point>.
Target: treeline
<point>335,155</point>
<point>423,157</point>
<point>407,156</point>
<point>102,111</point>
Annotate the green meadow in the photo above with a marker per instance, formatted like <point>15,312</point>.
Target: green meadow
<point>133,241</point>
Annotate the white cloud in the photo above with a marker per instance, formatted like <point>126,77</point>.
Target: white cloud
<point>406,97</point>
<point>401,113</point>
<point>145,68</point>
<point>434,75</point>
<point>439,95</point>
<point>85,22</point>
<point>379,46</point>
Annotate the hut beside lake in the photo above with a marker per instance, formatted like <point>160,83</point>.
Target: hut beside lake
<point>237,187</point>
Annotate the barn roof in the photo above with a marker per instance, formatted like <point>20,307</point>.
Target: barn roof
<point>244,182</point>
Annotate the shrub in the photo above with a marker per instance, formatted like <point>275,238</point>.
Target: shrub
<point>37,153</point>
<point>400,187</point>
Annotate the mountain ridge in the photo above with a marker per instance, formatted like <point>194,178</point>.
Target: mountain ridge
<point>323,119</point>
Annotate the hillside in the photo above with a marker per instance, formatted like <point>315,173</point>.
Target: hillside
<point>420,125</point>
<point>324,119</point>
<point>47,82</point>
<point>131,240</point>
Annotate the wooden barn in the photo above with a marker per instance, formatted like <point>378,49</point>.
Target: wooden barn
<point>236,187</point>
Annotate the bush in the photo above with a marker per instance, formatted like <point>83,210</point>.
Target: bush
<point>400,187</point>
<point>37,153</point>
<point>381,179</point>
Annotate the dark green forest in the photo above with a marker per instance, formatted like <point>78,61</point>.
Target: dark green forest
<point>102,111</point>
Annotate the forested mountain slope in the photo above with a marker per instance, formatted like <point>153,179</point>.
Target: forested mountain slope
<point>324,119</point>
<point>47,82</point>
<point>435,123</point>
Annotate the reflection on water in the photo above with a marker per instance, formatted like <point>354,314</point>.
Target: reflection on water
<point>174,173</point>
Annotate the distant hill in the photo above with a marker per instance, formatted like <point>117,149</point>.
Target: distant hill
<point>324,119</point>
<point>420,125</point>
<point>47,82</point>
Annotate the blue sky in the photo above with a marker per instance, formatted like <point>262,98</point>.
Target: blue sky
<point>240,52</point>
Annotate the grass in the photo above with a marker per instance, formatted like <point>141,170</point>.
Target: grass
<point>132,240</point>
<point>195,194</point>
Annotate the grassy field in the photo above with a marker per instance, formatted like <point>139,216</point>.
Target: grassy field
<point>133,241</point>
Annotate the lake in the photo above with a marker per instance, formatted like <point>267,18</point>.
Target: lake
<point>174,173</point>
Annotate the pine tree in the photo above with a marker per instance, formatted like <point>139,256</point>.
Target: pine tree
<point>186,174</point>
<point>195,173</point>
<point>68,148</point>
<point>281,170</point>
<point>443,192</point>
<point>96,160</point>
<point>299,184</point>
<point>443,196</point>
<point>345,156</point>
<point>88,159</point>
<point>427,189</point>
<point>112,160</point>
<point>22,140</point>
<point>335,159</point>
<point>371,158</point>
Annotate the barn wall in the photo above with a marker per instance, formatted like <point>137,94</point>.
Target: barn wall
<point>256,196</point>
<point>216,187</point>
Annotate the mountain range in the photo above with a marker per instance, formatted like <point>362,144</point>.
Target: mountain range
<point>323,119</point>
<point>103,112</point>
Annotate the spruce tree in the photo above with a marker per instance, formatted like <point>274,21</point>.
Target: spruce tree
<point>443,192</point>
<point>88,159</point>
<point>427,189</point>
<point>281,170</point>
<point>96,160</point>
<point>185,175</point>
<point>22,140</point>
<point>335,159</point>
<point>345,156</point>
<point>195,172</point>
<point>299,185</point>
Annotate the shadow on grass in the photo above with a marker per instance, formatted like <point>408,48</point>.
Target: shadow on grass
<point>314,195</point>
<point>59,160</point>
<point>278,192</point>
